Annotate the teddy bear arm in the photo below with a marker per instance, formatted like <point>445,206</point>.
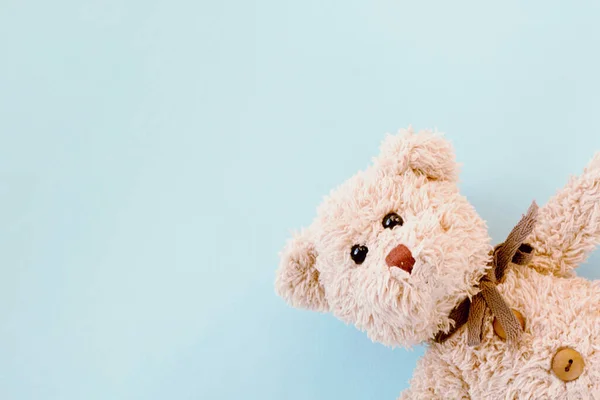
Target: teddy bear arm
<point>568,227</point>
<point>435,379</point>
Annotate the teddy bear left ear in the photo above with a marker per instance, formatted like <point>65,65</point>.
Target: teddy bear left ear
<point>297,278</point>
<point>427,153</point>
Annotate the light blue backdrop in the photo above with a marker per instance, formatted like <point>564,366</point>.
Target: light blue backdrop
<point>155,155</point>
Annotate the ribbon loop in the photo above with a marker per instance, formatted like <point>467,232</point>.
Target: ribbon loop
<point>507,250</point>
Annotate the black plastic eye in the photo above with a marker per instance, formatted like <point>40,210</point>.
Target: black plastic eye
<point>358,253</point>
<point>391,220</point>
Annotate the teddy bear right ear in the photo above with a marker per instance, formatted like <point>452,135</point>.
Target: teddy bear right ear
<point>297,278</point>
<point>426,153</point>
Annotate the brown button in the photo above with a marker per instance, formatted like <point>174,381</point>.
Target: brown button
<point>500,331</point>
<point>567,364</point>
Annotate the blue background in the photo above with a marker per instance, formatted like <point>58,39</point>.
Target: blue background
<point>156,154</point>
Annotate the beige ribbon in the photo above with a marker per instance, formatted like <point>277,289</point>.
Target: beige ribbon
<point>473,312</point>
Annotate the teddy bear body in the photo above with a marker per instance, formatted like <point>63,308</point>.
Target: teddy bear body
<point>396,249</point>
<point>558,312</point>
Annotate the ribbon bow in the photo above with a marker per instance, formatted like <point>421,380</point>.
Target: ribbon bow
<point>472,312</point>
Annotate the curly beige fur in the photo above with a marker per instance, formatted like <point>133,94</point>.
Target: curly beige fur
<point>415,176</point>
<point>568,228</point>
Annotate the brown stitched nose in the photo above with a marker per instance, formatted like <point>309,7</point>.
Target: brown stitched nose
<point>400,257</point>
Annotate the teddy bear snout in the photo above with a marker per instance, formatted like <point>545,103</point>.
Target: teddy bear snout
<point>400,257</point>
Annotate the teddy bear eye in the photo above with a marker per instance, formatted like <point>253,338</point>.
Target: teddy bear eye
<point>391,220</point>
<point>359,253</point>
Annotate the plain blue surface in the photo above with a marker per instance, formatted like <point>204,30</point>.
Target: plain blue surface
<point>156,154</point>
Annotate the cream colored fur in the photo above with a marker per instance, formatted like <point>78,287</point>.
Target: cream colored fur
<point>415,176</point>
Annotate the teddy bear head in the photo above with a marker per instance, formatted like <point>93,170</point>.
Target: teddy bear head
<point>393,249</point>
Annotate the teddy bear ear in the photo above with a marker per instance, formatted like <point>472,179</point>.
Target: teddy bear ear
<point>427,153</point>
<point>297,278</point>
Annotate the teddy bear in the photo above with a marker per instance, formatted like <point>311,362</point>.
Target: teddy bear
<point>397,251</point>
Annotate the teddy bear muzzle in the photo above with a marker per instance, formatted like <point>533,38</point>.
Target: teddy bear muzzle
<point>400,257</point>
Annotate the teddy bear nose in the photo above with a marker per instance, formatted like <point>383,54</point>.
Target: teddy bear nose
<point>400,257</point>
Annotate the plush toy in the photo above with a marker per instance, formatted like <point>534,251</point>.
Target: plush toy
<point>397,251</point>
